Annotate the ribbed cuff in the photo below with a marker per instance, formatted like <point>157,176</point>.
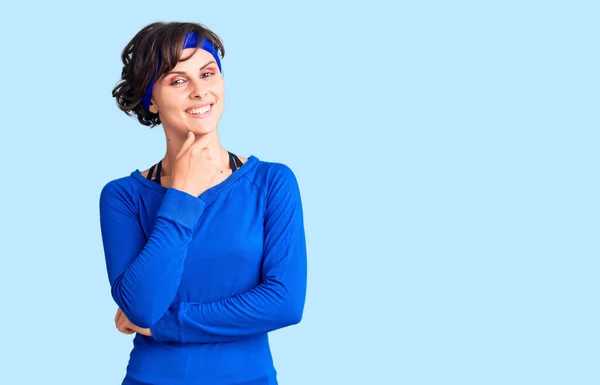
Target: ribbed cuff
<point>181,207</point>
<point>166,329</point>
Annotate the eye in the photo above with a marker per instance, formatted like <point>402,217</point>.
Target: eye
<point>177,81</point>
<point>207,73</point>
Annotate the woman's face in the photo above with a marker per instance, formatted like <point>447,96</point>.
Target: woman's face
<point>190,97</point>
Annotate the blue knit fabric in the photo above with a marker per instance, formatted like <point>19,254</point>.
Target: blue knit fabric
<point>210,276</point>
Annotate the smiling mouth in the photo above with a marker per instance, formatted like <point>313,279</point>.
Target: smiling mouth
<point>200,111</point>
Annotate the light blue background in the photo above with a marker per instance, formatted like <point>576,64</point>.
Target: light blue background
<point>447,154</point>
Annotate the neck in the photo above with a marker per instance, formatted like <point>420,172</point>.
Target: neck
<point>176,140</point>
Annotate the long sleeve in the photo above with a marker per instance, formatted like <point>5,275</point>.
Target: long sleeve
<point>278,301</point>
<point>145,275</point>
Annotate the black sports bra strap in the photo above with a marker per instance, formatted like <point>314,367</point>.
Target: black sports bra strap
<point>237,160</point>
<point>151,172</point>
<point>158,171</point>
<point>232,162</point>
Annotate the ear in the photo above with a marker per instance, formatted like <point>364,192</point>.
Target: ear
<point>153,108</point>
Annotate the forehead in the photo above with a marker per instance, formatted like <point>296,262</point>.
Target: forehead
<point>196,59</point>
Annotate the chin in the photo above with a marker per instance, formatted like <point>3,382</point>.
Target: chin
<point>202,130</point>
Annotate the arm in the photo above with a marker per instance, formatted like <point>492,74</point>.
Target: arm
<point>144,276</point>
<point>277,302</point>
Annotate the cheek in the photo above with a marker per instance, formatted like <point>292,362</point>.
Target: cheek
<point>218,88</point>
<point>172,102</point>
<point>169,97</point>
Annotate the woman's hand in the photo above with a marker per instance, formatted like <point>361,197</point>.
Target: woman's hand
<point>125,326</point>
<point>194,166</point>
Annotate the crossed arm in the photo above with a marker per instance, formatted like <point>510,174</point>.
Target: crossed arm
<point>144,277</point>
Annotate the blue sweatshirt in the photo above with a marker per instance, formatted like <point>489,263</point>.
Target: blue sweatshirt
<point>210,276</point>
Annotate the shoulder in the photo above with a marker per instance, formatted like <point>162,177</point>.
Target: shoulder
<point>267,174</point>
<point>275,170</point>
<point>276,180</point>
<point>122,193</point>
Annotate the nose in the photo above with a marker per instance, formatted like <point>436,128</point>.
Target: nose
<point>197,95</point>
<point>198,91</point>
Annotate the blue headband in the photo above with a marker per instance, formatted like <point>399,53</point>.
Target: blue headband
<point>190,41</point>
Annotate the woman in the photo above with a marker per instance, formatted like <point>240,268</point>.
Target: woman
<point>205,250</point>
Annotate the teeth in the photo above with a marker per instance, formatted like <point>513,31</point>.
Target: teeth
<point>199,111</point>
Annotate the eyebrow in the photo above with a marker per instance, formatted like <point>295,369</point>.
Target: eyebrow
<point>183,72</point>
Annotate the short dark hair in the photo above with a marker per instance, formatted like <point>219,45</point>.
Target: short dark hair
<point>157,43</point>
